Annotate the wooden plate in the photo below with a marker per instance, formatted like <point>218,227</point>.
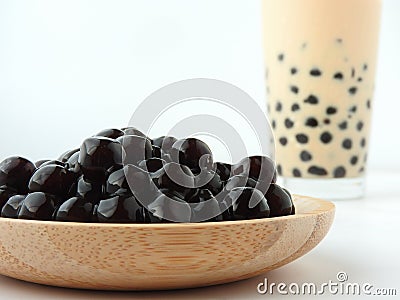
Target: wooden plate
<point>158,256</point>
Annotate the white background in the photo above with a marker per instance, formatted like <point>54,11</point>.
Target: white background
<point>71,68</point>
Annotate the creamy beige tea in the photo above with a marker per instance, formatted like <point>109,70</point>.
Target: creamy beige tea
<point>320,67</point>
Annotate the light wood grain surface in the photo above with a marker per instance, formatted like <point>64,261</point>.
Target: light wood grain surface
<point>158,256</point>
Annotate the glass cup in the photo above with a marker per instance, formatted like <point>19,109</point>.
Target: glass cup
<point>320,66</point>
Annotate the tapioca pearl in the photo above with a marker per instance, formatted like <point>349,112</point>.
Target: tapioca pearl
<point>302,138</point>
<point>353,72</point>
<point>296,172</point>
<point>353,109</point>
<point>294,89</point>
<point>343,125</point>
<point>279,169</point>
<point>339,172</point>
<point>360,125</point>
<point>315,170</point>
<point>273,124</point>
<point>295,107</point>
<point>368,103</point>
<point>353,90</point>
<point>311,99</point>
<point>326,137</point>
<point>281,56</point>
<point>359,79</point>
<point>363,142</point>
<point>311,122</point>
<point>339,40</point>
<point>278,106</point>
<point>293,70</point>
<point>305,155</point>
<point>365,67</point>
<point>354,160</point>
<point>288,123</point>
<point>327,121</point>
<point>338,76</point>
<point>361,170</point>
<point>283,141</point>
<point>315,72</point>
<point>347,144</point>
<point>330,110</point>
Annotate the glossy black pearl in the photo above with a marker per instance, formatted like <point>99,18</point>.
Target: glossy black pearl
<point>201,196</point>
<point>173,193</point>
<point>205,163</point>
<point>135,149</point>
<point>75,209</point>
<point>168,208</point>
<point>37,206</point>
<point>157,153</point>
<point>73,164</point>
<point>133,131</point>
<point>10,209</point>
<point>152,165</point>
<point>54,162</point>
<point>97,155</point>
<point>225,205</point>
<point>291,198</point>
<point>244,181</point>
<point>248,203</point>
<point>209,180</point>
<point>140,183</point>
<point>120,209</point>
<point>111,133</point>
<point>39,163</point>
<point>94,214</point>
<point>66,155</point>
<point>117,182</point>
<point>175,177</point>
<point>223,170</point>
<point>164,142</point>
<point>190,151</point>
<point>72,191</point>
<point>279,201</point>
<point>260,168</point>
<point>90,191</point>
<point>236,181</point>
<point>206,212</point>
<point>52,179</point>
<point>240,181</point>
<point>15,172</point>
<point>5,194</point>
<point>114,168</point>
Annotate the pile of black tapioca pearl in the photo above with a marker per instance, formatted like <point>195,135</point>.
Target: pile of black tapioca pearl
<point>90,184</point>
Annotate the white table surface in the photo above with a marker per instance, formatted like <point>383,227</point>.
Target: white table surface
<point>364,242</point>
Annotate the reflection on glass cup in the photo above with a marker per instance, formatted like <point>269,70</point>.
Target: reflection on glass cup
<point>320,67</point>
